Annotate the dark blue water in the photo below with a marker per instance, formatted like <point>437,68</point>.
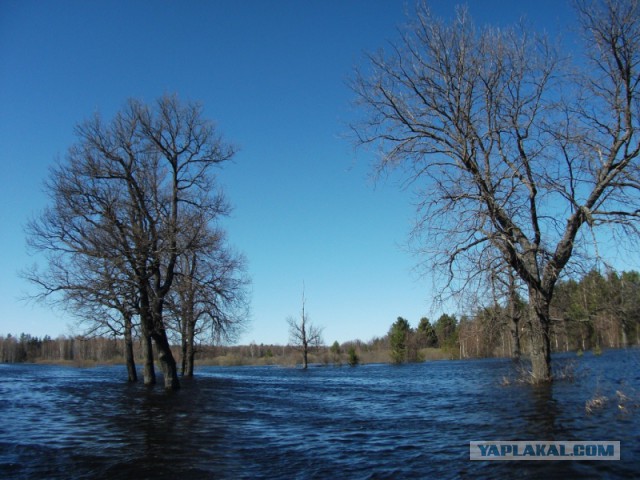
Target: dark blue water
<point>376,421</point>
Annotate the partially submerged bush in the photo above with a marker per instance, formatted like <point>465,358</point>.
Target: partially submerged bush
<point>595,403</point>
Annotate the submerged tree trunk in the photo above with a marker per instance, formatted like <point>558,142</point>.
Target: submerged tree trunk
<point>165,356</point>
<point>148,370</point>
<point>187,349</point>
<point>514,314</point>
<point>166,360</point>
<point>183,347</point>
<point>187,331</point>
<point>128,349</point>
<point>540,339</point>
<point>190,352</point>
<point>305,360</point>
<point>515,337</point>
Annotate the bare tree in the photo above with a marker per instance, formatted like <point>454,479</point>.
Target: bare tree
<point>93,288</point>
<point>106,303</point>
<point>303,335</point>
<point>120,196</point>
<point>210,295</point>
<point>511,148</point>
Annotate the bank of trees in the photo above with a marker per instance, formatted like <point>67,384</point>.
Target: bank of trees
<point>132,234</point>
<point>592,312</point>
<point>516,153</point>
<point>406,344</point>
<point>27,348</point>
<point>596,311</point>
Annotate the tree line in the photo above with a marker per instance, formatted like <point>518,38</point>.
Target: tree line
<point>596,311</point>
<point>593,312</point>
<point>84,351</point>
<point>27,348</point>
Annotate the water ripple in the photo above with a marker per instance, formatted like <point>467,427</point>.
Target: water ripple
<point>374,421</point>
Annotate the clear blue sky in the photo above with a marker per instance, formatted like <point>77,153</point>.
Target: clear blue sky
<point>272,74</point>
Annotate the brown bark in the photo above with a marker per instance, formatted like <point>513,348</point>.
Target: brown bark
<point>515,337</point>
<point>148,370</point>
<point>191,352</point>
<point>540,322</point>
<point>149,373</point>
<point>183,345</point>
<point>166,360</point>
<point>165,356</point>
<point>305,360</point>
<point>188,350</point>
<point>514,314</point>
<point>128,350</point>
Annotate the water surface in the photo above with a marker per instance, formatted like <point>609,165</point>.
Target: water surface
<point>374,421</point>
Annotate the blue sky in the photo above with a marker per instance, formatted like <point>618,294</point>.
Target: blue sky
<point>272,74</point>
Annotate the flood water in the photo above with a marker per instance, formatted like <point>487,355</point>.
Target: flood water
<point>374,421</point>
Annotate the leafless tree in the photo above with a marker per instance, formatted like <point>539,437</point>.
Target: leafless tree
<point>511,148</point>
<point>94,289</point>
<point>303,335</point>
<point>119,198</point>
<point>209,299</point>
<point>107,305</point>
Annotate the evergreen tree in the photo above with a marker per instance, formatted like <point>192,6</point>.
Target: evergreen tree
<point>399,339</point>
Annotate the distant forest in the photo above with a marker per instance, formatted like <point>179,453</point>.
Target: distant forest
<point>596,312</point>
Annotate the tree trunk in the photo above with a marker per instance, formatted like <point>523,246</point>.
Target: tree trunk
<point>515,336</point>
<point>166,360</point>
<point>183,358</point>
<point>514,313</point>
<point>146,325</point>
<point>183,347</point>
<point>540,338</point>
<point>128,349</point>
<point>304,356</point>
<point>148,370</point>
<point>191,351</point>
<point>165,356</point>
<point>191,354</point>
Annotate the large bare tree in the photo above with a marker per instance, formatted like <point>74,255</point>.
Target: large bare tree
<point>512,148</point>
<point>121,195</point>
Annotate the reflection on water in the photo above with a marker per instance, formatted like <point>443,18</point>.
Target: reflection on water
<point>375,421</point>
